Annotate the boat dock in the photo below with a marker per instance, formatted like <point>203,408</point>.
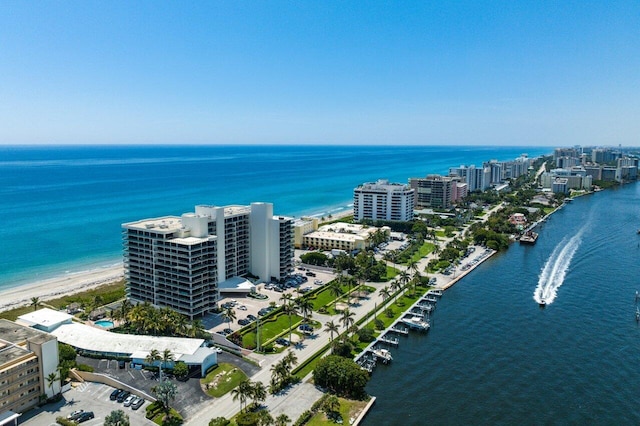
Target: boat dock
<point>415,318</point>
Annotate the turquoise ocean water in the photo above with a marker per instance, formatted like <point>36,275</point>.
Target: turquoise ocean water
<point>62,207</point>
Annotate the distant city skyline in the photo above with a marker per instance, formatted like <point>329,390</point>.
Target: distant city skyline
<point>530,73</point>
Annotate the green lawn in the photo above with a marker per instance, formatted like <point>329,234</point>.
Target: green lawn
<point>424,250</point>
<point>440,234</point>
<point>269,329</point>
<point>348,409</point>
<point>108,292</point>
<point>222,379</point>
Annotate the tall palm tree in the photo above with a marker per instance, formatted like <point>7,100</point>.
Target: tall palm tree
<point>258,392</point>
<point>35,302</point>
<point>347,319</point>
<point>152,357</point>
<point>289,309</point>
<point>384,293</point>
<point>229,315</point>
<point>290,359</point>
<point>335,288</point>
<point>395,287</point>
<point>52,378</point>
<point>306,307</point>
<point>167,356</point>
<point>242,392</point>
<point>331,327</point>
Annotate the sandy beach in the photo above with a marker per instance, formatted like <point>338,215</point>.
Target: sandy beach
<point>60,286</point>
<point>72,283</point>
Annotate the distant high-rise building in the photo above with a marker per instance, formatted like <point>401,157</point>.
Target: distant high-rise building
<point>179,262</point>
<point>382,200</point>
<point>433,191</point>
<point>477,179</point>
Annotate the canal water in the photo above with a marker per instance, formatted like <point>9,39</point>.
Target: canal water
<point>494,357</point>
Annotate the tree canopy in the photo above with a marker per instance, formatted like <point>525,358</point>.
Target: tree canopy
<point>341,376</point>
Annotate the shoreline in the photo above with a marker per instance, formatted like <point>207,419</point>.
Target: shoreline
<point>70,283</point>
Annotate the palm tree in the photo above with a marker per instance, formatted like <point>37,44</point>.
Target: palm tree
<point>306,307</point>
<point>242,392</point>
<point>229,315</point>
<point>288,308</point>
<point>279,374</point>
<point>335,288</point>
<point>347,319</point>
<point>167,356</point>
<point>152,357</point>
<point>52,378</point>
<point>331,327</point>
<point>290,359</point>
<point>117,418</point>
<point>395,287</point>
<point>35,302</point>
<point>384,293</point>
<point>282,420</point>
<point>258,392</point>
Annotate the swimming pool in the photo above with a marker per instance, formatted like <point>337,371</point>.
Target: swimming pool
<point>104,323</point>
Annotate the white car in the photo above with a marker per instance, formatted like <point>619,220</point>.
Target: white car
<point>129,400</point>
<point>242,308</point>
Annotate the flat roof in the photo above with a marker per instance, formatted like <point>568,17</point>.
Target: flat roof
<point>158,224</point>
<point>44,317</point>
<point>97,340</point>
<point>236,284</point>
<point>336,236</point>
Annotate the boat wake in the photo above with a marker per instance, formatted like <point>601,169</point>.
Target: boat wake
<point>555,269</point>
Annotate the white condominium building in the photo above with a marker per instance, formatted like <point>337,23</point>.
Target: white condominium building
<point>382,200</point>
<point>179,262</point>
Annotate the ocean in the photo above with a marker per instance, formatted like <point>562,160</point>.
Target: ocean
<point>494,357</point>
<point>62,207</point>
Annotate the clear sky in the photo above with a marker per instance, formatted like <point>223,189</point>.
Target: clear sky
<point>322,72</point>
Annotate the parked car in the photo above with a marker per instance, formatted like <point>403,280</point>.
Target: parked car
<point>251,317</point>
<point>87,415</point>
<point>123,395</point>
<point>114,394</point>
<point>129,400</point>
<point>244,321</point>
<point>242,308</point>
<point>282,341</point>
<point>137,403</point>
<point>75,414</point>
<point>306,328</point>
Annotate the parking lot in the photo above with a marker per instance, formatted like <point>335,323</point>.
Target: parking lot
<point>86,396</point>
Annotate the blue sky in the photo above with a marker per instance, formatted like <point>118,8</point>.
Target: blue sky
<point>324,72</point>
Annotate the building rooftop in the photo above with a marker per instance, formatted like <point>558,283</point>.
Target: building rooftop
<point>97,340</point>
<point>164,224</point>
<point>18,334</point>
<point>45,318</point>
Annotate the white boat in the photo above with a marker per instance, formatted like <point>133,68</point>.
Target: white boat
<point>384,355</point>
<point>542,303</point>
<point>416,322</point>
<point>637,314</point>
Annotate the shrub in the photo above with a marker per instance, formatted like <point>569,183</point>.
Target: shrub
<point>64,422</point>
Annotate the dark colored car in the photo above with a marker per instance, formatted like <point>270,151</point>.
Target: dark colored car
<point>282,341</point>
<point>87,415</point>
<point>121,364</point>
<point>244,321</point>
<point>251,317</point>
<point>123,396</point>
<point>306,328</point>
<point>115,394</point>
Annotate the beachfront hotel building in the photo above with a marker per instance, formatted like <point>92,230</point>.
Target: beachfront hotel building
<point>477,178</point>
<point>184,262</point>
<point>382,200</point>
<point>27,358</point>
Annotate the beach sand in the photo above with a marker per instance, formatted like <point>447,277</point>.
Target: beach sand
<point>74,282</point>
<point>59,286</point>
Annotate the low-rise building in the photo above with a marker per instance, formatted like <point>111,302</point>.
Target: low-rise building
<point>342,236</point>
<point>28,366</point>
